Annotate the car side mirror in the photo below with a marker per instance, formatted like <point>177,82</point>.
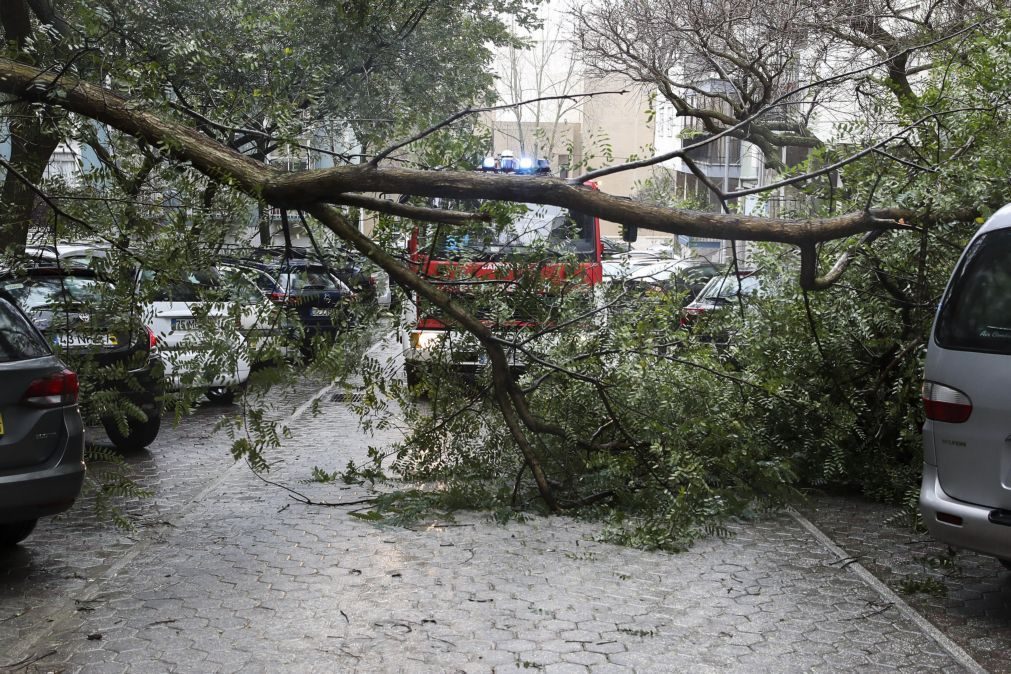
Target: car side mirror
<point>629,233</point>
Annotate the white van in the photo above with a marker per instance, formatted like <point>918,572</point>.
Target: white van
<point>965,496</point>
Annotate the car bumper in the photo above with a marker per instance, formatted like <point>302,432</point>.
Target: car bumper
<point>50,488</point>
<point>942,514</point>
<point>183,370</point>
<point>451,348</point>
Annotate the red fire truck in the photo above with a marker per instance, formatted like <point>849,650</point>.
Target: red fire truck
<point>546,251</point>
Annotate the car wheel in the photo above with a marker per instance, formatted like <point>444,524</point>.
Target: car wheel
<point>15,532</point>
<point>139,434</point>
<point>220,395</point>
<point>413,375</point>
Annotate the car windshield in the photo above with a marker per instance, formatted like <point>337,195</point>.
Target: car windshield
<point>37,293</point>
<point>726,288</point>
<point>976,311</point>
<point>550,228</point>
<point>18,341</point>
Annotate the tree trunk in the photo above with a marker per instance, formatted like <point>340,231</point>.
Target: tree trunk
<point>33,142</point>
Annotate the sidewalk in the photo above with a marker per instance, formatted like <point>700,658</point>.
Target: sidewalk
<point>247,580</point>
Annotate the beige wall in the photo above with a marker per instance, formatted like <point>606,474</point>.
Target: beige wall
<point>622,120</point>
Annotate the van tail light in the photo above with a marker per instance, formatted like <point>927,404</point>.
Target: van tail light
<point>152,340</point>
<point>56,390</point>
<point>943,403</point>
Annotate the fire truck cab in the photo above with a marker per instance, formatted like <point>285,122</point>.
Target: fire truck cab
<point>483,263</point>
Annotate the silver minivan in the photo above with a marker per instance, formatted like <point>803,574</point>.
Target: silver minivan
<point>965,495</point>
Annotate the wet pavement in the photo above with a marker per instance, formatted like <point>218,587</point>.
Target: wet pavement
<point>226,573</point>
<point>966,595</point>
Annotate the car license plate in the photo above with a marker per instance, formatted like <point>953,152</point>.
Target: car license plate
<point>74,340</point>
<point>317,312</point>
<point>183,324</point>
<point>1,424</point>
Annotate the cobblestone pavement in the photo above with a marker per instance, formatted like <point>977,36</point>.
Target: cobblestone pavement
<point>228,574</point>
<point>968,596</point>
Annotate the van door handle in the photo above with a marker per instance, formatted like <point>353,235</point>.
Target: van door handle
<point>1000,516</point>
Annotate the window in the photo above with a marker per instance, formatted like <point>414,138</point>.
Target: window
<point>308,279</point>
<point>190,287</point>
<point>976,311</point>
<point>716,151</point>
<point>18,340</point>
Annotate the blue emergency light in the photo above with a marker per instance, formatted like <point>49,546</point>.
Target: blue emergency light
<point>508,163</point>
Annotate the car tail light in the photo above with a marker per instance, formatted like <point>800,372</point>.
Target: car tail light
<point>689,314</point>
<point>282,298</point>
<point>58,389</point>
<point>943,403</point>
<point>152,340</point>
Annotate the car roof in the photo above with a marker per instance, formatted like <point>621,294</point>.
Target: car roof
<point>999,220</point>
<point>42,271</point>
<point>669,266</point>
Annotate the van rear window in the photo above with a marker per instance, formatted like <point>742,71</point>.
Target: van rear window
<point>976,310</point>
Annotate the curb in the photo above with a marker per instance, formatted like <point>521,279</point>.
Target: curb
<point>886,593</point>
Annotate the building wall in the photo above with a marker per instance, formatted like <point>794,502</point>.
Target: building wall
<point>621,123</point>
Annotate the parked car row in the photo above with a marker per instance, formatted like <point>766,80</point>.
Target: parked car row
<point>133,338</point>
<point>72,333</point>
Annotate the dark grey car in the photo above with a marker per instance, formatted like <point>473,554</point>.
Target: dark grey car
<point>41,432</point>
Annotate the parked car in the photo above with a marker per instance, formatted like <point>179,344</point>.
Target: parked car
<point>965,494</point>
<point>82,254</point>
<point>110,345</point>
<point>687,276</point>
<point>41,431</point>
<point>619,267</point>
<point>369,283</point>
<point>321,302</point>
<point>613,248</point>
<point>187,312</point>
<point>722,290</point>
<point>263,323</point>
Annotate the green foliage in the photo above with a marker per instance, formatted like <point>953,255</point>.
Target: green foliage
<point>109,483</point>
<point>923,585</point>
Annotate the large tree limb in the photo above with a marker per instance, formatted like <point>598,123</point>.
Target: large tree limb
<point>300,190</point>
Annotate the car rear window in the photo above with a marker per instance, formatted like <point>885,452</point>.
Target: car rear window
<point>39,292</point>
<point>308,279</point>
<point>18,340</point>
<point>976,310</point>
<point>196,286</point>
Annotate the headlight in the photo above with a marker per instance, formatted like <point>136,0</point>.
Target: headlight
<point>425,339</point>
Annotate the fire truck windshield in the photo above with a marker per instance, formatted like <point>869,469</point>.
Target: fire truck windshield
<point>540,229</point>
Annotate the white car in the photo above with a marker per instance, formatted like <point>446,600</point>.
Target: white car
<point>620,267</point>
<point>200,341</point>
<point>82,254</point>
